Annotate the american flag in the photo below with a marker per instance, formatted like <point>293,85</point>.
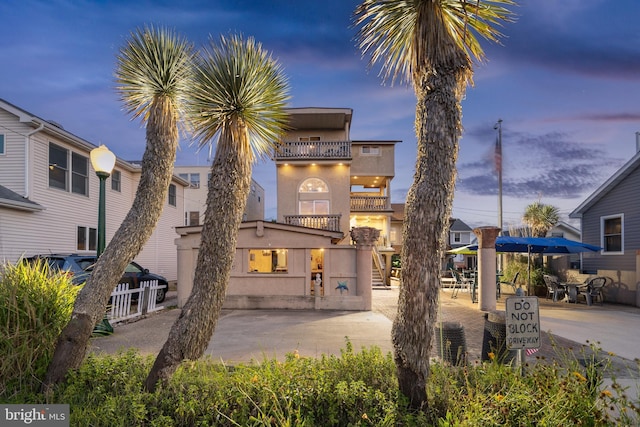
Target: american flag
<point>531,351</point>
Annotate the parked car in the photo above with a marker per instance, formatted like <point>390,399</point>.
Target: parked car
<point>79,267</point>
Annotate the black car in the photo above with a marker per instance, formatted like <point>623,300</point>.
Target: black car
<point>79,267</point>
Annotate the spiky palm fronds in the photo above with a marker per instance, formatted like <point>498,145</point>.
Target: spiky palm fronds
<point>154,62</point>
<point>395,32</point>
<point>239,94</point>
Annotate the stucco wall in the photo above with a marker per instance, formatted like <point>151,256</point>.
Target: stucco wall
<point>337,179</point>
<point>287,290</point>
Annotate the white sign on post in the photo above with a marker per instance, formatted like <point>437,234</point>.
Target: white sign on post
<point>523,323</point>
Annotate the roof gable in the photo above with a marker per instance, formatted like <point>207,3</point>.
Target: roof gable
<point>608,185</point>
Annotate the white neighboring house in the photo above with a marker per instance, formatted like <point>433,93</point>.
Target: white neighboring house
<point>195,195</point>
<point>49,195</point>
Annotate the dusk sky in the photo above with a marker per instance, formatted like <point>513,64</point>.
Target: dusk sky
<point>565,82</point>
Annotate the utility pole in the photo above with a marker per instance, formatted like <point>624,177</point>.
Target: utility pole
<point>498,160</point>
<point>498,156</point>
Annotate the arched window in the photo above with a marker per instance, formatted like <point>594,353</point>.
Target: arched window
<point>313,185</point>
<point>309,199</point>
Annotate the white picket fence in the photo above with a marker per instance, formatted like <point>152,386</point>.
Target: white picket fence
<point>123,307</point>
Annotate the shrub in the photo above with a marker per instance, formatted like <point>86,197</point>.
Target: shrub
<point>35,304</point>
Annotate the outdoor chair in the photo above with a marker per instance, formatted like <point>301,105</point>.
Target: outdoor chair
<point>554,289</point>
<point>460,282</point>
<point>594,290</point>
<point>512,283</point>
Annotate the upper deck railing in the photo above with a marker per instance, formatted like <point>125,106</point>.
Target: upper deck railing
<point>321,222</point>
<point>370,203</point>
<point>320,150</point>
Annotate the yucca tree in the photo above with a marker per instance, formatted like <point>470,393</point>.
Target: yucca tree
<point>540,218</point>
<point>428,44</point>
<point>238,96</point>
<point>152,73</point>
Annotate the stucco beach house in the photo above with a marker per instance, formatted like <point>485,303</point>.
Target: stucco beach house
<point>332,236</point>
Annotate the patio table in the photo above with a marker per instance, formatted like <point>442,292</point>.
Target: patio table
<point>573,290</point>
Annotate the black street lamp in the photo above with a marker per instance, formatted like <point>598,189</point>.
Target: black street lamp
<point>103,162</point>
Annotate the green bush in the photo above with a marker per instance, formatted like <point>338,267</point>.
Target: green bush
<point>35,304</point>
<point>518,263</point>
<point>353,389</point>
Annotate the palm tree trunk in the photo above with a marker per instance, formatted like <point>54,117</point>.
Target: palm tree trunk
<point>189,336</point>
<point>133,233</point>
<point>427,213</point>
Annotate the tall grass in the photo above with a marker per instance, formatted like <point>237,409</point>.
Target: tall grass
<point>35,304</point>
<point>353,389</point>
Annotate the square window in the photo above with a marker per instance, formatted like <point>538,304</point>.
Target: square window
<point>268,261</point>
<point>87,239</point>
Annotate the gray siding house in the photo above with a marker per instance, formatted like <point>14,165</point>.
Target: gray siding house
<point>610,218</point>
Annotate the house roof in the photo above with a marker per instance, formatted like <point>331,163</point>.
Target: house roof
<point>562,225</point>
<point>608,185</point>
<point>58,130</point>
<point>320,118</point>
<point>12,200</point>
<point>458,225</point>
<point>260,226</point>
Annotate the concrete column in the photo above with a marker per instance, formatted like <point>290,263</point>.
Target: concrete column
<point>365,238</point>
<point>487,267</point>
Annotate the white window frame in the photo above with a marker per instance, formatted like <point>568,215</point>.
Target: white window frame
<point>316,205</point>
<point>3,144</point>
<point>172,197</point>
<point>89,238</point>
<point>307,188</point>
<point>370,150</point>
<point>79,178</point>
<point>65,170</point>
<point>116,181</point>
<point>603,219</point>
<point>194,180</point>
<point>76,181</point>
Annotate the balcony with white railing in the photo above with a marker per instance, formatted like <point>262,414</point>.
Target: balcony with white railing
<point>313,150</point>
<point>370,203</point>
<point>321,222</point>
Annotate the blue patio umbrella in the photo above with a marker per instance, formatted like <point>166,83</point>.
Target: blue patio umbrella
<point>537,245</point>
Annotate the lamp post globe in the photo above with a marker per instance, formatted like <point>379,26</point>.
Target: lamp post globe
<point>103,162</point>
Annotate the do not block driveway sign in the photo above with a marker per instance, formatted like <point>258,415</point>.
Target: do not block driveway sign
<point>522,322</point>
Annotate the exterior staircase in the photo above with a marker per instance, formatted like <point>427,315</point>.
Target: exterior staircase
<point>376,278</point>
